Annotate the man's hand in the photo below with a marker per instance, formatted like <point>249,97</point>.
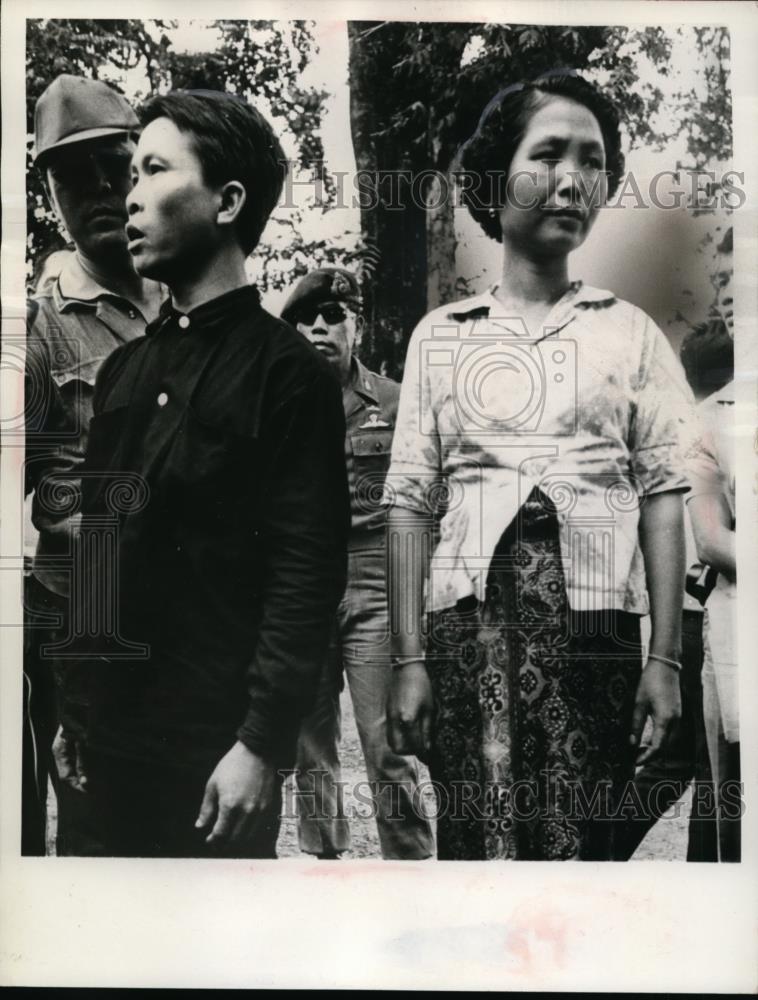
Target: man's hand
<point>409,711</point>
<point>68,755</point>
<point>658,696</point>
<point>238,793</point>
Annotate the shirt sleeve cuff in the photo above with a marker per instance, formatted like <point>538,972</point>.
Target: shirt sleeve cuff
<point>677,485</point>
<point>271,729</point>
<point>658,473</point>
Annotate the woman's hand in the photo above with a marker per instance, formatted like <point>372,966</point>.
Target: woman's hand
<point>409,711</point>
<point>658,696</point>
<point>662,542</point>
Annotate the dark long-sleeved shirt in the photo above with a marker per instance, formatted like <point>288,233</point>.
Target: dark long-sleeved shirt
<point>218,439</point>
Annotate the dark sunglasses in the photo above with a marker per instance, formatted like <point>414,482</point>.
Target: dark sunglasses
<point>332,314</point>
<point>78,170</point>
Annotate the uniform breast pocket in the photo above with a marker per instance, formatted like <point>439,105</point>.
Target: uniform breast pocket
<point>372,446</point>
<point>83,371</point>
<point>76,385</point>
<point>371,459</point>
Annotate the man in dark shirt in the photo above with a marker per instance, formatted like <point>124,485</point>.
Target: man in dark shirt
<point>215,499</point>
<point>325,307</point>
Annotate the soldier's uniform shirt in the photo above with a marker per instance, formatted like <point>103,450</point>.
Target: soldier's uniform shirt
<point>370,402</point>
<point>74,325</point>
<point>360,652</point>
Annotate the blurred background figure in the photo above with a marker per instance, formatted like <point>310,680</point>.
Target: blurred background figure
<point>86,303</point>
<point>707,355</point>
<point>326,308</point>
<point>711,506</point>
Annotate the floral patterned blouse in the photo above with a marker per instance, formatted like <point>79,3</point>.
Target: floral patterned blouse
<point>594,410</point>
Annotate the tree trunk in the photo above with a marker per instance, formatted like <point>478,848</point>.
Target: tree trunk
<point>395,291</point>
<point>441,242</point>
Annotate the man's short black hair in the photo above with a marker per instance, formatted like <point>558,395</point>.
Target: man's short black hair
<point>233,142</point>
<point>489,151</point>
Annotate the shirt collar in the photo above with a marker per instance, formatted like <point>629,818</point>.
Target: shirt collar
<point>213,315</point>
<point>578,295</point>
<point>362,381</point>
<point>75,286</point>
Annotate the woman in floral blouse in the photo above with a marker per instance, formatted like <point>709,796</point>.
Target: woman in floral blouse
<point>536,490</point>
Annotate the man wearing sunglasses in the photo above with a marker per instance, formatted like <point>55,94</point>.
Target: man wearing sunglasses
<point>83,146</point>
<point>326,308</point>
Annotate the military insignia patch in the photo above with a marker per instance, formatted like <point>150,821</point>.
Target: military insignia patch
<point>340,285</point>
<point>374,421</point>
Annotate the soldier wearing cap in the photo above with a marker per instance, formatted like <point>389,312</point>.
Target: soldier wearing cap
<point>326,308</point>
<point>83,147</point>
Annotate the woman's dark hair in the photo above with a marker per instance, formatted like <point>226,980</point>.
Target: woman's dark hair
<point>489,151</point>
<point>233,142</point>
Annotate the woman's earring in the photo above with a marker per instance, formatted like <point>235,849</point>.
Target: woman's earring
<point>492,213</point>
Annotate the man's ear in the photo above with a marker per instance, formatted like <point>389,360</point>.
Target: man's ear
<point>233,198</point>
<point>360,324</point>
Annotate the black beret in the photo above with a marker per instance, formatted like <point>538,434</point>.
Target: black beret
<point>326,284</point>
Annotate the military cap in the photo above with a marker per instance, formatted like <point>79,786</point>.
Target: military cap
<point>326,284</point>
<point>74,109</point>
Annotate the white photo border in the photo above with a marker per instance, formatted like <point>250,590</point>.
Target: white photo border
<point>670,927</point>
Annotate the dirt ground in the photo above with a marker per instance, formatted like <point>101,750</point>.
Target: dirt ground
<point>667,841</point>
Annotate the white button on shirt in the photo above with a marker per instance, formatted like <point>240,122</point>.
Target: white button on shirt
<point>594,410</point>
<point>184,322</point>
<point>162,399</point>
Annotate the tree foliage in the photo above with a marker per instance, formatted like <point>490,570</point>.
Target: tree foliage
<point>83,48</point>
<point>260,60</point>
<point>417,90</point>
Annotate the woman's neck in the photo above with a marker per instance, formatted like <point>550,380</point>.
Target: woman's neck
<point>528,281</point>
